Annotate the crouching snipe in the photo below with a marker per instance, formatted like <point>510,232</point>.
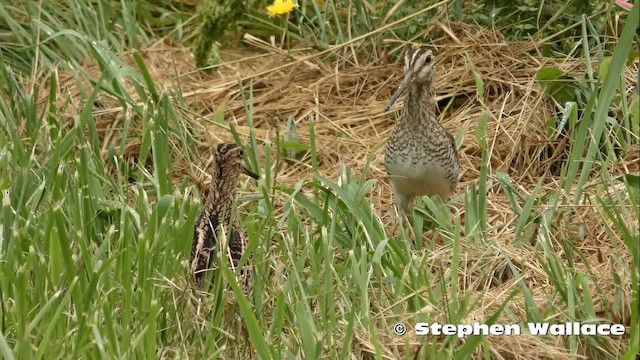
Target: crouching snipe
<point>215,220</point>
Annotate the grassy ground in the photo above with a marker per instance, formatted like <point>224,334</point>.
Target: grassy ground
<point>103,164</point>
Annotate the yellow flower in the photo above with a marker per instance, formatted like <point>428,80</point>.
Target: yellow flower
<point>281,7</point>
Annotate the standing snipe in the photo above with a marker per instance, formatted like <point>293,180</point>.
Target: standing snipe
<point>421,156</point>
<point>214,222</point>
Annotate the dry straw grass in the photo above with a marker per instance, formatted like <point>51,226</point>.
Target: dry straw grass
<point>345,101</point>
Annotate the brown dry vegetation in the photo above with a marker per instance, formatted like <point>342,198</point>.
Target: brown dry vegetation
<point>345,101</point>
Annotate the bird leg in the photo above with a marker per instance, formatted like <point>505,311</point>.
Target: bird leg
<point>405,218</point>
<point>404,210</point>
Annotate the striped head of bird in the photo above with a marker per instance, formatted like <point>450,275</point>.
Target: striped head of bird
<point>230,162</point>
<point>419,69</point>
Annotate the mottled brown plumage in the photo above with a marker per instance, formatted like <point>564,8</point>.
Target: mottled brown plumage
<point>214,221</point>
<point>421,156</point>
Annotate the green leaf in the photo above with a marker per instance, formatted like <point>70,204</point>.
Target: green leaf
<point>218,116</point>
<point>603,68</point>
<point>562,88</point>
<point>380,248</point>
<point>5,350</point>
<point>146,75</point>
<point>631,179</point>
<point>569,114</point>
<point>293,145</point>
<point>478,80</point>
<point>634,113</point>
<point>246,309</point>
<point>307,331</point>
<point>467,350</point>
<point>609,87</point>
<point>548,73</point>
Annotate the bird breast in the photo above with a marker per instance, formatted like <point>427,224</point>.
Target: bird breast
<point>428,178</point>
<point>420,170</point>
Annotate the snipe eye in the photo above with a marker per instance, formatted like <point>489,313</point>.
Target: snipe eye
<point>428,59</point>
<point>241,153</point>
